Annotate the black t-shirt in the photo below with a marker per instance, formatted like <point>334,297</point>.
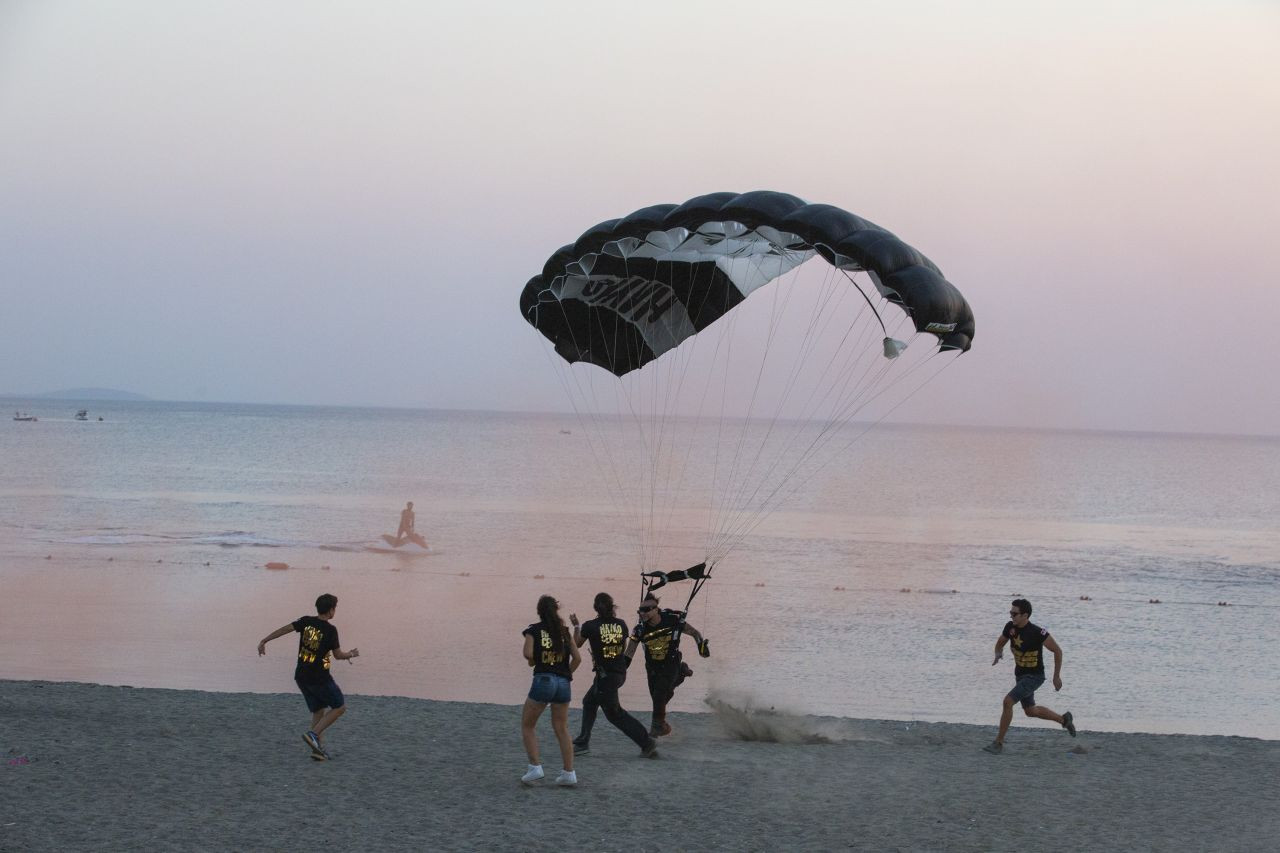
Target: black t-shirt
<point>549,653</point>
<point>318,639</point>
<point>608,639</point>
<point>1027,643</point>
<point>661,645</point>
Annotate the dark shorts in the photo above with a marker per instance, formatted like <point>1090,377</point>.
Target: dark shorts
<point>1024,690</point>
<point>321,694</point>
<point>550,688</point>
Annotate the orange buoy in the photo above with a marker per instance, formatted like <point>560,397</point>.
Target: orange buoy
<point>277,565</point>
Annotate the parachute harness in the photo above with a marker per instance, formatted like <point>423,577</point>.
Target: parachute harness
<point>650,582</point>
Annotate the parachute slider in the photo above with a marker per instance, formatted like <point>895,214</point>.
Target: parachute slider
<point>697,572</point>
<point>893,347</point>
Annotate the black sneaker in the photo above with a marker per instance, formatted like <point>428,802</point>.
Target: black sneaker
<point>317,751</point>
<point>580,747</point>
<point>1069,724</point>
<point>658,730</point>
<point>650,749</point>
<point>995,747</point>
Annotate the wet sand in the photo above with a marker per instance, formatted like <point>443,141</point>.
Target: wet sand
<point>90,767</point>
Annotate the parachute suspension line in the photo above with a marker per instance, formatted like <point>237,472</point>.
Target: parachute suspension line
<point>845,411</point>
<point>684,457</point>
<point>616,490</point>
<point>797,485</point>
<point>736,503</point>
<point>822,317</point>
<point>717,506</point>
<point>763,475</point>
<point>868,298</point>
<point>600,432</point>
<point>735,488</point>
<point>821,314</point>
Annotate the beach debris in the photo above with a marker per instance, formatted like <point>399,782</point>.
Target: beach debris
<point>111,559</point>
<point>48,556</point>
<point>838,589</point>
<point>539,577</point>
<point>322,568</point>
<point>1078,750</point>
<point>1154,601</point>
<point>277,565</point>
<point>905,589</point>
<point>159,561</point>
<point>18,761</point>
<point>1085,598</point>
<point>1224,603</point>
<point>464,574</point>
<point>759,583</point>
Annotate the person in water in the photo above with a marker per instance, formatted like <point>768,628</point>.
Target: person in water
<point>1028,641</point>
<point>607,635</point>
<point>553,656</point>
<point>660,631</point>
<point>407,518</point>
<point>317,641</point>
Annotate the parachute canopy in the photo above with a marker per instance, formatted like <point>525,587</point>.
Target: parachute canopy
<point>630,289</point>
<point>716,406</point>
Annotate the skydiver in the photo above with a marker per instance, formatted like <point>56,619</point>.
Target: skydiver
<point>660,632</point>
<point>1028,671</point>
<point>607,635</point>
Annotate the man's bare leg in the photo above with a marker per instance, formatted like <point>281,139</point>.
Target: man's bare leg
<point>1043,713</point>
<point>1006,717</point>
<point>324,718</point>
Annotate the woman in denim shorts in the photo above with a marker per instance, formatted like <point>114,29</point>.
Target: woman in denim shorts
<point>553,656</point>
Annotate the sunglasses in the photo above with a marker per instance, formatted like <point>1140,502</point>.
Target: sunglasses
<point>1015,613</point>
<point>646,608</point>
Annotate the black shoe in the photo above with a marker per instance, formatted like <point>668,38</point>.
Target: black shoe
<point>580,747</point>
<point>1069,724</point>
<point>995,747</point>
<point>650,749</point>
<point>658,730</point>
<point>685,671</point>
<point>317,751</point>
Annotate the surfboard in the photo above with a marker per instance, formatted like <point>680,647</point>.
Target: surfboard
<point>414,538</point>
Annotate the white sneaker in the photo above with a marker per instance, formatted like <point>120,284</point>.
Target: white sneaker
<point>533,775</point>
<point>567,778</point>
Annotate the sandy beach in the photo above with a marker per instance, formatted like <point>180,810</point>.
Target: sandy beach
<point>90,767</point>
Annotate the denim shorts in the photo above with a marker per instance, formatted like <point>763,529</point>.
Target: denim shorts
<point>548,687</point>
<point>321,694</point>
<point>1024,690</point>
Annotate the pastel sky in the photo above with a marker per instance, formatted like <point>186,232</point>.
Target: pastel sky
<point>338,203</point>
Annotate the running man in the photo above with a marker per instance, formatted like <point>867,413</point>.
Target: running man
<point>607,635</point>
<point>1028,671</point>
<point>318,639</point>
<point>660,632</point>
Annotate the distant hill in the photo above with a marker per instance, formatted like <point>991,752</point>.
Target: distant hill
<point>91,394</point>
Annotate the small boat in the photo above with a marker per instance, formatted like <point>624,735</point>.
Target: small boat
<point>23,416</point>
<point>82,415</point>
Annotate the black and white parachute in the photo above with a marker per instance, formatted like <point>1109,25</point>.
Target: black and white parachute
<point>628,290</point>
<point>733,374</point>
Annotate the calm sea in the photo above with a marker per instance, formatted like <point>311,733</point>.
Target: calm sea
<point>132,551</point>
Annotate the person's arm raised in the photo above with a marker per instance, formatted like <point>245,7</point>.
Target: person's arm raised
<point>279,632</point>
